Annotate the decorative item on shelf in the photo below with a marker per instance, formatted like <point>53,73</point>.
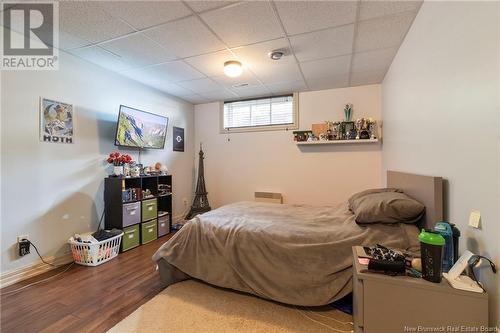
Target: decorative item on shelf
<point>301,135</point>
<point>146,194</point>
<point>348,130</point>
<point>164,189</point>
<point>372,128</point>
<point>135,169</point>
<point>160,168</point>
<point>324,136</point>
<point>319,129</point>
<point>362,131</point>
<point>335,130</point>
<point>118,162</point>
<point>126,170</point>
<point>359,125</point>
<point>131,194</point>
<point>347,112</point>
<point>312,137</point>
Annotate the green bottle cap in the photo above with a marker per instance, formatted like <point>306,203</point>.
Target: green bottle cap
<point>430,237</point>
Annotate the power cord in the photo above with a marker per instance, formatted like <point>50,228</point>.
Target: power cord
<point>38,252</point>
<point>37,282</point>
<point>40,281</point>
<point>100,222</point>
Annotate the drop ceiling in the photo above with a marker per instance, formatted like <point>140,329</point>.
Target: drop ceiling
<point>179,47</point>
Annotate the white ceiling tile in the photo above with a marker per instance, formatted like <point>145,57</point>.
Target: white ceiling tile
<point>172,88</point>
<point>371,8</point>
<point>278,73</point>
<point>379,60</point>
<point>331,82</point>
<point>245,23</point>
<point>211,64</point>
<point>144,14</point>
<point>177,71</point>
<point>138,50</point>
<point>67,41</point>
<point>306,16</point>
<point>326,67</point>
<point>174,71</point>
<point>383,32</point>
<point>364,78</point>
<point>256,55</point>
<point>195,99</point>
<point>252,91</point>
<point>219,95</point>
<point>287,87</point>
<point>201,6</point>
<point>102,57</point>
<point>200,86</point>
<point>323,44</point>
<point>229,82</point>
<point>186,37</point>
<point>88,21</point>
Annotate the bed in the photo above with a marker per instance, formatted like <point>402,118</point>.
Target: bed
<point>294,254</point>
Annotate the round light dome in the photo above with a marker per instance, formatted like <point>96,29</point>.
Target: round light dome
<point>233,68</point>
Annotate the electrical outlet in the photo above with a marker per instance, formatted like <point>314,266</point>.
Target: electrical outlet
<point>24,247</point>
<point>21,237</point>
<point>185,200</point>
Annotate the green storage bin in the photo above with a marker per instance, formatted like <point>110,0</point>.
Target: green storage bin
<point>131,237</point>
<point>148,232</point>
<point>149,209</point>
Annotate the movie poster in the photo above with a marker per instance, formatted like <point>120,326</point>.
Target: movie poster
<point>56,121</point>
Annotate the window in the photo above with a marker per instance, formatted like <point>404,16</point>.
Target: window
<point>270,113</point>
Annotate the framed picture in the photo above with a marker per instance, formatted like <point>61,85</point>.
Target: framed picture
<point>348,130</point>
<point>56,121</point>
<point>178,139</point>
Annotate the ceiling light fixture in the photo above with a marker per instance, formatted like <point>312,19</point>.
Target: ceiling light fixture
<point>276,54</point>
<point>233,68</point>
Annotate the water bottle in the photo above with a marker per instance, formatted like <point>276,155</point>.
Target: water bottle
<point>445,230</point>
<point>431,248</point>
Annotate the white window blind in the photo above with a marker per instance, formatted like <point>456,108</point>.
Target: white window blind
<point>270,111</point>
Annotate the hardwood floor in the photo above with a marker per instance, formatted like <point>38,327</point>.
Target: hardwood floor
<point>83,299</point>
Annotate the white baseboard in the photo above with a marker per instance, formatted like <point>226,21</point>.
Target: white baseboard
<point>36,268</point>
<point>25,272</point>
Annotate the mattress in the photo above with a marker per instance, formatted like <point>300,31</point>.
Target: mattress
<point>294,254</point>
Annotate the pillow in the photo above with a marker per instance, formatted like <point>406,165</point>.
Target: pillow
<point>386,205</point>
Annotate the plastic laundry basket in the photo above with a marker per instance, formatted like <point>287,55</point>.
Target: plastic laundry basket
<point>94,254</point>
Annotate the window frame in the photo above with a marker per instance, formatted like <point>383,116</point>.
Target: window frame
<point>262,128</point>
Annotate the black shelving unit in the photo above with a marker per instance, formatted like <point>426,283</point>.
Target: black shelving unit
<point>142,218</point>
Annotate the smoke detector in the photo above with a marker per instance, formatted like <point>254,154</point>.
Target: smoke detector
<point>276,54</point>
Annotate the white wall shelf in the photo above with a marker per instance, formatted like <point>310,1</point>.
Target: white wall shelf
<point>336,142</point>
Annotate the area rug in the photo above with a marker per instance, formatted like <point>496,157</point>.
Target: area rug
<point>193,306</point>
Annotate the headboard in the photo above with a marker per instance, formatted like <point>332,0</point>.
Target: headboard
<point>426,189</point>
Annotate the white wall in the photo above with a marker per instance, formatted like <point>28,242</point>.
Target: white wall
<point>271,161</point>
<point>441,114</point>
<point>51,191</point>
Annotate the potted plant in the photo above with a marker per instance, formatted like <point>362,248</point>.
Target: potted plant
<point>118,162</point>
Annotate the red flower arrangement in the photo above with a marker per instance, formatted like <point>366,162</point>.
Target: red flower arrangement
<point>117,159</point>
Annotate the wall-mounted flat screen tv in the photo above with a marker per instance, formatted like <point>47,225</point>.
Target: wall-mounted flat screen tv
<point>140,129</point>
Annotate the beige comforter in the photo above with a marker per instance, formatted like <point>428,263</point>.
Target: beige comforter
<point>294,254</point>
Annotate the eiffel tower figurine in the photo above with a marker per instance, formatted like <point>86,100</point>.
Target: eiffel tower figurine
<point>200,202</point>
